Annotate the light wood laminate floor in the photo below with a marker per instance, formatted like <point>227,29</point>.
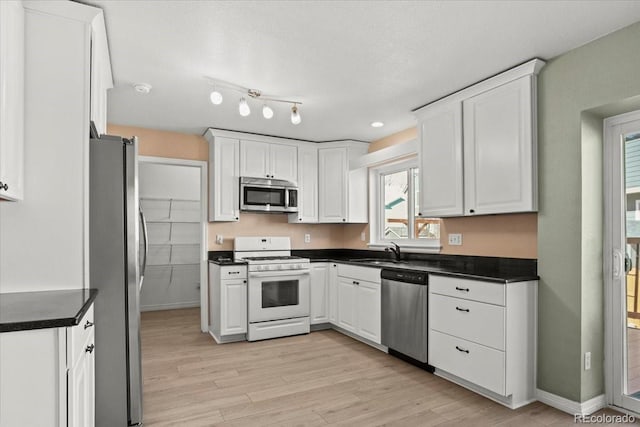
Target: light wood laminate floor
<point>323,378</point>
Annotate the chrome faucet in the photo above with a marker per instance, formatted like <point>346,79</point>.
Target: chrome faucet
<point>395,249</point>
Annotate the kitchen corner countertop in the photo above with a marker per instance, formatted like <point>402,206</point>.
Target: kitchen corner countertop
<point>22,311</point>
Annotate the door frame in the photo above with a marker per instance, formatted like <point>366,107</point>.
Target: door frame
<point>613,259</point>
<point>204,253</point>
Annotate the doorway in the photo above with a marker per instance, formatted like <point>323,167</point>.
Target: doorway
<point>622,260</point>
<point>173,199</point>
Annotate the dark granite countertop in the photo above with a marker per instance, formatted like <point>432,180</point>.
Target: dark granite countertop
<point>493,269</point>
<point>21,311</point>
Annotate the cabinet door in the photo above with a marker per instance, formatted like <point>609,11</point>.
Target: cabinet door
<point>369,310</point>
<point>307,186</point>
<point>332,185</point>
<point>233,301</point>
<point>441,181</point>
<point>319,293</point>
<point>224,188</point>
<point>81,389</point>
<point>347,309</point>
<point>283,162</point>
<point>358,189</point>
<point>499,150</point>
<point>101,78</point>
<point>11,100</point>
<point>333,293</point>
<point>254,159</point>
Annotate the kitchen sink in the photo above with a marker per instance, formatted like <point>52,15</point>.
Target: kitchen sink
<point>377,261</point>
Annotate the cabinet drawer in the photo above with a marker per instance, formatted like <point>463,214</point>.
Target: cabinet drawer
<point>475,363</point>
<point>357,272</point>
<point>475,290</point>
<point>233,272</point>
<point>474,321</point>
<point>80,336</point>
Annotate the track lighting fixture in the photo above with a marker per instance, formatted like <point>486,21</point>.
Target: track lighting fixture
<point>295,116</point>
<point>267,112</point>
<point>243,106</point>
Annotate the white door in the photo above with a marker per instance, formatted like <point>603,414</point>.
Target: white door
<point>332,185</point>
<point>283,162</point>
<point>233,296</point>
<point>347,309</point>
<point>441,161</point>
<point>498,149</point>
<point>369,316</point>
<point>622,260</point>
<point>319,293</point>
<point>254,159</point>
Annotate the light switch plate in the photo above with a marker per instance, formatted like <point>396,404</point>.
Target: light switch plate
<point>455,239</point>
<point>219,239</point>
<point>307,238</point>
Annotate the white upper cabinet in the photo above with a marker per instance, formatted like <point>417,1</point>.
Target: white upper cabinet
<point>500,151</point>
<point>441,161</point>
<point>266,160</point>
<point>343,192</point>
<point>478,147</point>
<point>224,179</point>
<point>332,185</point>
<point>307,185</point>
<point>101,77</point>
<point>11,100</point>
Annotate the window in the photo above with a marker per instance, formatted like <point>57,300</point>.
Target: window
<point>395,202</point>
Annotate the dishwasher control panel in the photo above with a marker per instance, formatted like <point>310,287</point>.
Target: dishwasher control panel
<point>417,277</point>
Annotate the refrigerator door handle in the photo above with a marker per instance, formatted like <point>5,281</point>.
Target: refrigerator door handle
<point>145,236</point>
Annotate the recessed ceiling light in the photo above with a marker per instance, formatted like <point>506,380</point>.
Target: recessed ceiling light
<point>377,124</point>
<point>142,87</point>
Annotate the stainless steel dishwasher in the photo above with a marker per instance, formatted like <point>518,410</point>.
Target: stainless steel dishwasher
<point>405,307</point>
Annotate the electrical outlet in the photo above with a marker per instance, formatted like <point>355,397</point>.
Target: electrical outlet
<point>219,239</point>
<point>587,361</point>
<point>363,236</point>
<point>307,238</point>
<point>455,239</point>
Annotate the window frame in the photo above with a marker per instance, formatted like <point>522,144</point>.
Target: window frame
<point>376,227</point>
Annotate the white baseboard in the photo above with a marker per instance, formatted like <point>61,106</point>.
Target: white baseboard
<point>569,406</point>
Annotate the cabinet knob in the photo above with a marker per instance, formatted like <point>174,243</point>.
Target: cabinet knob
<point>299,219</point>
<point>244,281</point>
<point>88,324</point>
<point>344,220</point>
<point>90,348</point>
<point>237,218</point>
<point>419,213</point>
<point>472,211</point>
<point>4,186</point>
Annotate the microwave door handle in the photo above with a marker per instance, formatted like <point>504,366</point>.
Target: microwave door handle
<point>286,197</point>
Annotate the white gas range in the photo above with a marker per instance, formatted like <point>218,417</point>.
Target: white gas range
<point>278,290</point>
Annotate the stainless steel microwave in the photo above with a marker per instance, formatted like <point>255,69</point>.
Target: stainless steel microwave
<point>268,195</point>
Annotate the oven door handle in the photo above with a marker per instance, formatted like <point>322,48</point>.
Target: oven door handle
<point>278,273</point>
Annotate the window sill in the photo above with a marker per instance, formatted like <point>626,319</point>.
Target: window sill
<point>427,249</point>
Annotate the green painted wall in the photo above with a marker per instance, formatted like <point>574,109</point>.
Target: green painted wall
<point>570,87</point>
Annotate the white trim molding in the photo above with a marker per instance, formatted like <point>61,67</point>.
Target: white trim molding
<point>569,406</point>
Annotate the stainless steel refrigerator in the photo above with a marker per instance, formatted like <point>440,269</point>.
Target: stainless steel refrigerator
<point>116,269</point>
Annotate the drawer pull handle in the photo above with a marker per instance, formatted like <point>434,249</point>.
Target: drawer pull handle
<point>90,348</point>
<point>462,350</point>
<point>466,310</point>
<point>462,289</point>
<point>88,324</point>
<point>234,272</point>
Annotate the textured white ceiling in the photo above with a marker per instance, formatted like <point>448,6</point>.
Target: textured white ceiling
<point>349,62</point>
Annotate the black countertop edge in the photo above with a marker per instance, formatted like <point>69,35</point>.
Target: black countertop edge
<point>494,269</point>
<point>23,311</point>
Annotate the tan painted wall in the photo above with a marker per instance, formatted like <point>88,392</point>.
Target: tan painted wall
<point>499,235</point>
<point>159,143</point>
<point>514,236</point>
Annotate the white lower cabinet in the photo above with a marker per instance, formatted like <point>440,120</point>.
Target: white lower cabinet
<point>319,293</point>
<point>227,302</point>
<point>359,301</point>
<point>48,376</point>
<point>482,335</point>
